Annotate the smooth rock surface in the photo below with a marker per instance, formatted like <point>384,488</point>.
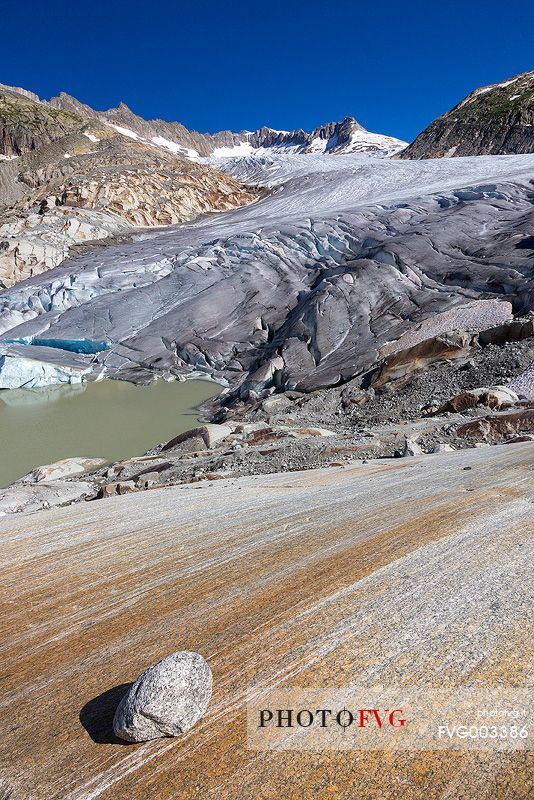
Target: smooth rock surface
<point>166,700</point>
<point>27,498</point>
<point>401,572</point>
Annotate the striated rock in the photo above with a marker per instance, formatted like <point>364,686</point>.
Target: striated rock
<point>498,427</point>
<point>166,700</point>
<point>27,497</point>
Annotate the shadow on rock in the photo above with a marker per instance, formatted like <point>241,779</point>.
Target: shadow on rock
<point>97,715</point>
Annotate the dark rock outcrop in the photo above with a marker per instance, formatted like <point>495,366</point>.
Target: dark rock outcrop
<point>27,124</point>
<point>492,120</point>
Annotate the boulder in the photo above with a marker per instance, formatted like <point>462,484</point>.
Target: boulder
<point>207,476</point>
<point>442,447</point>
<point>111,489</point>
<point>166,700</point>
<point>525,437</point>
<point>303,433</point>
<point>495,397</point>
<point>147,479</point>
<point>402,363</point>
<point>523,384</point>
<point>512,331</point>
<point>472,316</point>
<point>203,437</point>
<point>278,402</point>
<point>66,468</point>
<point>272,433</point>
<point>498,427</point>
<point>411,448</point>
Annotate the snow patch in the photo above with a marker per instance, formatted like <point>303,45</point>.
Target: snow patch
<point>241,149</point>
<point>175,148</point>
<point>365,140</point>
<point>507,83</point>
<point>124,131</point>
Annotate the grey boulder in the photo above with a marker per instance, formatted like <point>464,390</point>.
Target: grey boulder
<point>166,700</point>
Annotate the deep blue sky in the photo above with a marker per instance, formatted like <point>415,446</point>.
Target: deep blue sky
<point>394,66</point>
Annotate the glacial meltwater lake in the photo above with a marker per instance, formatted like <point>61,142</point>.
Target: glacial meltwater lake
<point>109,419</point>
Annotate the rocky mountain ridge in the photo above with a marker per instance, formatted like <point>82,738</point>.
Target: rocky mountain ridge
<point>333,137</point>
<point>496,119</point>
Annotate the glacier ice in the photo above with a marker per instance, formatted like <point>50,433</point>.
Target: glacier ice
<point>345,254</point>
<point>17,372</point>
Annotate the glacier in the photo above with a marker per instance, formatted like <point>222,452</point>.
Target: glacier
<point>34,369</point>
<point>300,289</point>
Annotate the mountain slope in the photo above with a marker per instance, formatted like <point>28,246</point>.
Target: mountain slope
<point>27,124</point>
<point>68,177</point>
<point>492,120</point>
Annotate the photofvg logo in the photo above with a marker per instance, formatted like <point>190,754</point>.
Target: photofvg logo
<point>325,717</point>
<point>398,719</point>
